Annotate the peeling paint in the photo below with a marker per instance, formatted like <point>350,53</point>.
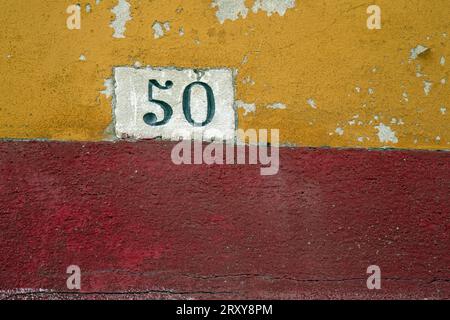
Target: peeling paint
<point>122,12</point>
<point>405,96</point>
<point>160,28</point>
<point>339,131</point>
<point>248,107</point>
<point>311,103</point>
<point>276,106</point>
<point>427,87</point>
<point>273,6</point>
<point>109,88</point>
<point>417,51</point>
<point>385,134</point>
<point>230,9</point>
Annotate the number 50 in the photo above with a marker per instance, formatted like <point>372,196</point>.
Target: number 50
<point>151,119</point>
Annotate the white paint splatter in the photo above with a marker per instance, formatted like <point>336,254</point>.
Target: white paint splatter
<point>427,87</point>
<point>230,9</point>
<point>273,6</point>
<point>181,31</point>
<point>442,61</point>
<point>109,87</point>
<point>438,138</point>
<point>160,28</point>
<point>417,51</point>
<point>443,81</point>
<point>277,105</point>
<point>312,103</point>
<point>82,58</point>
<point>88,8</point>
<point>358,89</point>
<point>385,134</point>
<point>443,110</point>
<point>339,131</point>
<point>122,12</point>
<point>248,107</point>
<point>371,90</point>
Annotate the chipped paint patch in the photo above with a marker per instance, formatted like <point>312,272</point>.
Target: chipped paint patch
<point>417,51</point>
<point>427,87</point>
<point>339,131</point>
<point>122,12</point>
<point>385,134</point>
<point>230,9</point>
<point>160,28</point>
<point>405,96</point>
<point>312,103</point>
<point>443,110</point>
<point>442,61</point>
<point>273,6</point>
<point>82,58</point>
<point>277,105</point>
<point>109,88</point>
<point>248,107</point>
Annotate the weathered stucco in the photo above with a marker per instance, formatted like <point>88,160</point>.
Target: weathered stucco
<point>316,58</point>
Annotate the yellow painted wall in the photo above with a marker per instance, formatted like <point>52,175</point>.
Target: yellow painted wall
<point>320,50</point>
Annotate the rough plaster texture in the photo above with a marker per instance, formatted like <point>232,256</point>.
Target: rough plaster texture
<point>141,227</point>
<point>319,50</point>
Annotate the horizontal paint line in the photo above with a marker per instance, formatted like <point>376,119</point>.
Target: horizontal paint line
<point>135,222</point>
<point>112,140</point>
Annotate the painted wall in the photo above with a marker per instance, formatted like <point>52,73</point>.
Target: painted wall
<point>140,226</point>
<point>311,68</point>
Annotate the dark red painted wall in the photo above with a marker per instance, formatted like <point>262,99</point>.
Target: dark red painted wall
<point>141,227</point>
